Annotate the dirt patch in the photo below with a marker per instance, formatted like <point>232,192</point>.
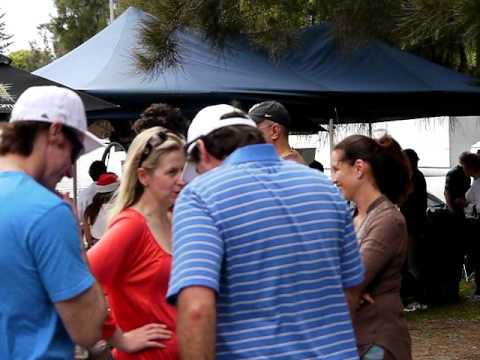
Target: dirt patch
<point>445,339</point>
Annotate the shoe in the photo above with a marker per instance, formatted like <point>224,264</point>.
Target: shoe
<point>415,306</point>
<point>412,307</point>
<point>475,298</point>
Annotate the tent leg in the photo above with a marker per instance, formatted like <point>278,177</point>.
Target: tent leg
<point>331,134</point>
<point>75,180</point>
<point>370,129</point>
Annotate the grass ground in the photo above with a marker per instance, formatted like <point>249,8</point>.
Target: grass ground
<point>450,332</point>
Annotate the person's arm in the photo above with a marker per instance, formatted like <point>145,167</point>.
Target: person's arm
<point>350,262</point>
<point>198,250</point>
<point>55,244</point>
<point>83,316</point>
<point>111,256</point>
<point>353,295</point>
<point>108,259</point>
<point>196,323</point>
<point>385,237</point>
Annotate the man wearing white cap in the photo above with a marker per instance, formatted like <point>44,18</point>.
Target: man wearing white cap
<point>48,295</point>
<point>264,250</point>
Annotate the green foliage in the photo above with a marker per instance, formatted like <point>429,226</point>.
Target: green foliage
<point>444,31</point>
<point>32,59</point>
<point>4,37</point>
<point>76,22</point>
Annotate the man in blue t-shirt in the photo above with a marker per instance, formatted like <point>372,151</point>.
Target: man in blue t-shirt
<point>48,296</point>
<point>265,258</point>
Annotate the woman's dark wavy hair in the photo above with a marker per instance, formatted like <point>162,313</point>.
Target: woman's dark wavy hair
<point>163,115</point>
<point>390,166</point>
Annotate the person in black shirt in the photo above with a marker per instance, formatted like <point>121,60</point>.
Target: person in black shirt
<point>414,209</point>
<point>456,185</point>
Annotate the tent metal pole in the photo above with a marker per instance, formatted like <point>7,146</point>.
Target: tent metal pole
<point>370,129</point>
<point>75,180</point>
<point>331,134</point>
<point>111,7</point>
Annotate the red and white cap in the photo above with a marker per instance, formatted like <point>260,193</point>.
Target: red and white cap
<point>107,182</point>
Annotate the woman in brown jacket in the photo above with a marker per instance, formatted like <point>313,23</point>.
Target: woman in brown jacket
<point>375,175</point>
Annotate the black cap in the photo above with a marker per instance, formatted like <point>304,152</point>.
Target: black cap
<point>270,110</point>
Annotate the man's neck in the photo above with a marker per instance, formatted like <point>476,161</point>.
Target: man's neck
<point>16,162</point>
<point>283,148</point>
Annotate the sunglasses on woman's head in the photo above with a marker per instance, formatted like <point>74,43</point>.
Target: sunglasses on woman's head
<point>156,140</point>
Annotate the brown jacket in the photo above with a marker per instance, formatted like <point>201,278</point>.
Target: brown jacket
<point>383,245</point>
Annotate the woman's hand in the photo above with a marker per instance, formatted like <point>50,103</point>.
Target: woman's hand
<point>147,336</point>
<point>366,299</point>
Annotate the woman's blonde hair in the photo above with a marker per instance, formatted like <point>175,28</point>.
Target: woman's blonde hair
<point>159,142</point>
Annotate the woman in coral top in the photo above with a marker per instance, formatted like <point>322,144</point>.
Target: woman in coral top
<point>132,260</point>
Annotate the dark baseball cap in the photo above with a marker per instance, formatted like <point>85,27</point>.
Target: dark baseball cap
<point>270,110</point>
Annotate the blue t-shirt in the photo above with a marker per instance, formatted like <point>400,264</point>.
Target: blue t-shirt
<point>275,240</point>
<point>40,264</point>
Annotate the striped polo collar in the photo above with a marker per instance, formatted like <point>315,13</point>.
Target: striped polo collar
<point>257,152</point>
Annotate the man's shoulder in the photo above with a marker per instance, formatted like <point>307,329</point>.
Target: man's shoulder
<point>235,179</point>
<point>27,198</point>
<point>294,155</point>
<point>456,171</point>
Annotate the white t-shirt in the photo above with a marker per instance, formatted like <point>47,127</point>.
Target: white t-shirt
<point>473,198</point>
<point>100,226</point>
<point>85,198</point>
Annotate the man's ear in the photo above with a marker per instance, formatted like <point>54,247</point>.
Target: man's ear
<point>202,150</point>
<point>55,134</point>
<point>207,160</point>
<point>276,131</point>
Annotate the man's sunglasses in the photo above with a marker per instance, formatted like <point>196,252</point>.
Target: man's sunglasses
<point>77,145</point>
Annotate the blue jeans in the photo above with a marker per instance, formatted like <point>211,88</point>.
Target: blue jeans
<point>374,353</point>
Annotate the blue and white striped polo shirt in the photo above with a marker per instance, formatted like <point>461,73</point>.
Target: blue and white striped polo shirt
<point>275,240</point>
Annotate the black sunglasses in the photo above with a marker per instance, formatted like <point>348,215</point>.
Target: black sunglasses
<point>77,145</point>
<point>156,140</point>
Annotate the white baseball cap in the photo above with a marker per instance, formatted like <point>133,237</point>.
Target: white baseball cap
<point>55,104</point>
<point>207,120</point>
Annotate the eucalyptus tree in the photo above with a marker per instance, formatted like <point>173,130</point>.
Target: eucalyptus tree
<point>76,22</point>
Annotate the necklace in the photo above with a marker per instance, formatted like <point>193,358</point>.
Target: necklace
<point>285,154</point>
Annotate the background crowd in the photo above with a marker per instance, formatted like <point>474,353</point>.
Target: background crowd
<point>216,241</point>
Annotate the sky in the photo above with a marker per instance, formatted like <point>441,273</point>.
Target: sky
<point>22,18</point>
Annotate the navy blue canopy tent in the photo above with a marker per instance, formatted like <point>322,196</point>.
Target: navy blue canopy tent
<point>13,82</point>
<point>316,80</point>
